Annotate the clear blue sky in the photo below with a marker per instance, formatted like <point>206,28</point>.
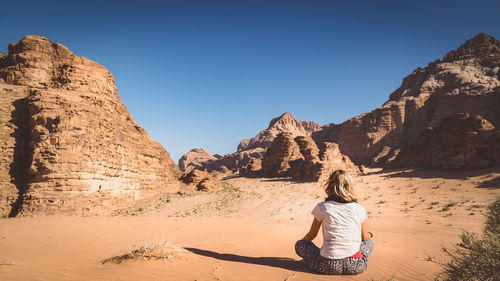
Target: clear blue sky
<point>210,73</point>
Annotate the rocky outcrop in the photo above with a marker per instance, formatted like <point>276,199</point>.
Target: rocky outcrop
<point>202,181</point>
<point>460,142</point>
<point>310,126</point>
<point>300,159</point>
<point>69,145</point>
<point>332,159</point>
<point>466,80</point>
<point>308,168</point>
<point>282,154</point>
<point>195,159</point>
<point>248,158</point>
<point>285,123</point>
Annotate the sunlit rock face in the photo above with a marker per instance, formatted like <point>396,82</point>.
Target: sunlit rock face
<point>69,145</point>
<point>467,80</point>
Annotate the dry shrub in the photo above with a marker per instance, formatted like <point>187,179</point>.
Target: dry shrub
<point>6,262</point>
<point>476,258</point>
<point>157,250</point>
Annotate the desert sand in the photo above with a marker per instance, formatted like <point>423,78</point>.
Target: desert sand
<point>248,230</point>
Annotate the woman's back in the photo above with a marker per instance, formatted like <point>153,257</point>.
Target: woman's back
<point>341,223</point>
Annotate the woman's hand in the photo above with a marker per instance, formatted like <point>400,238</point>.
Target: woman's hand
<point>365,234</point>
<point>313,231</point>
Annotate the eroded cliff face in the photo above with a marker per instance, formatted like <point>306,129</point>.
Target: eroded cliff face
<point>460,142</point>
<point>70,145</point>
<point>467,80</point>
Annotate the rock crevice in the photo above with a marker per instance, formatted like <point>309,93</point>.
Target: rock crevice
<point>23,152</point>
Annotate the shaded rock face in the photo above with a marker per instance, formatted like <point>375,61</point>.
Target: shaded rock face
<point>195,159</point>
<point>248,158</point>
<point>332,159</point>
<point>284,151</point>
<point>202,181</point>
<point>300,159</point>
<point>69,145</point>
<point>467,80</point>
<point>460,142</point>
<point>308,167</point>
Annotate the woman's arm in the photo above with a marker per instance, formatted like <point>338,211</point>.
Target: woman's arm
<point>365,235</point>
<point>313,231</point>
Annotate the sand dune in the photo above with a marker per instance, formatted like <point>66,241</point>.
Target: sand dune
<point>247,231</point>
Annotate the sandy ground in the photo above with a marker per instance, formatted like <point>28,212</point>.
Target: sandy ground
<point>247,231</point>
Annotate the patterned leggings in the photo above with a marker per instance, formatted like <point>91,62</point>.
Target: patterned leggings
<point>310,253</point>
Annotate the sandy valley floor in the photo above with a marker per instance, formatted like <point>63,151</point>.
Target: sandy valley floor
<point>247,231</point>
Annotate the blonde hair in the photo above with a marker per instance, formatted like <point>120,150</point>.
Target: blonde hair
<point>339,187</point>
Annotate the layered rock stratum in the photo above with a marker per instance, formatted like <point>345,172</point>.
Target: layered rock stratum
<point>69,146</point>
<point>467,80</point>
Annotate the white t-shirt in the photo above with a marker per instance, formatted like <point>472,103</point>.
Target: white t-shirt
<point>341,223</point>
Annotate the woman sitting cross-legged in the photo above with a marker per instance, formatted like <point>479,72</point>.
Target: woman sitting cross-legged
<point>346,242</point>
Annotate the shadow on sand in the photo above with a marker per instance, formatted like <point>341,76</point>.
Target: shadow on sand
<point>420,173</point>
<point>284,263</point>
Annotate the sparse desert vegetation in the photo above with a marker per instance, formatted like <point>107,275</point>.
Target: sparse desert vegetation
<point>157,250</point>
<point>476,257</point>
<point>247,219</point>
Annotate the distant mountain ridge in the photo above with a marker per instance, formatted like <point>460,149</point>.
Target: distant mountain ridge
<point>249,152</point>
<point>467,80</point>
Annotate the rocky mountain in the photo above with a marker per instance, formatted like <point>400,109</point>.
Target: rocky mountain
<point>69,146</point>
<point>300,159</point>
<point>467,80</point>
<point>248,157</point>
<point>195,159</point>
<point>284,123</point>
<point>460,142</point>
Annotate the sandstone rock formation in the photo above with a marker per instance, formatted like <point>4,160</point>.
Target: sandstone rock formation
<point>284,151</point>
<point>285,123</point>
<point>308,168</point>
<point>300,159</point>
<point>202,181</point>
<point>460,142</point>
<point>69,146</point>
<point>247,159</point>
<point>195,159</point>
<point>466,80</point>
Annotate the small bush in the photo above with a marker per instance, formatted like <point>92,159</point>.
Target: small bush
<point>476,258</point>
<point>158,250</point>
